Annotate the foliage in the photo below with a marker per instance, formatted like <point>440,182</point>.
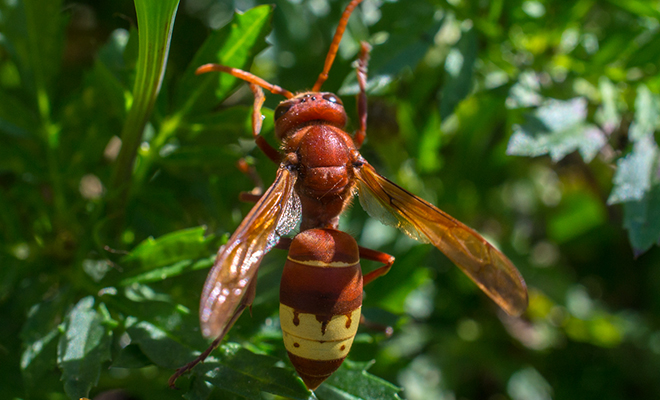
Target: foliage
<point>90,301</point>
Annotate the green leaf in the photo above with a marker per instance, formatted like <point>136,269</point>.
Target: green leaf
<point>155,23</point>
<point>578,213</point>
<point>459,67</point>
<point>220,128</point>
<point>109,74</point>
<point>638,7</point>
<point>557,128</point>
<point>352,381</point>
<point>200,156</point>
<point>39,335</point>
<point>131,357</point>
<point>169,271</point>
<point>525,92</point>
<point>642,220</point>
<point>159,346</point>
<point>429,145</point>
<point>646,114</point>
<point>645,54</point>
<point>183,245</point>
<point>34,32</point>
<point>608,115</point>
<point>410,26</point>
<point>244,373</point>
<point>633,175</point>
<point>16,118</point>
<point>235,46</point>
<point>83,347</point>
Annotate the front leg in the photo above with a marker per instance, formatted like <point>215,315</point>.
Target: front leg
<point>361,71</point>
<point>257,119</point>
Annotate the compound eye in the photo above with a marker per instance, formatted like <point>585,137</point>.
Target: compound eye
<point>281,110</point>
<point>332,98</point>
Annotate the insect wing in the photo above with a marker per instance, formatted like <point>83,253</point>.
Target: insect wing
<point>236,264</point>
<point>486,266</point>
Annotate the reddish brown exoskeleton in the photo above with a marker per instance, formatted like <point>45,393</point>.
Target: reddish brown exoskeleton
<point>320,169</point>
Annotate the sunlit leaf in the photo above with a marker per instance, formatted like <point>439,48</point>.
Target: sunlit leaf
<point>646,114</point>
<point>183,245</point>
<point>459,67</point>
<point>234,45</point>
<point>39,334</point>
<point>352,381</point>
<point>557,128</point>
<point>642,220</point>
<point>529,384</point>
<point>608,115</point>
<point>410,27</point>
<point>83,347</point>
<point>633,175</point>
<point>241,372</point>
<point>525,92</point>
<point>155,24</point>
<point>159,346</point>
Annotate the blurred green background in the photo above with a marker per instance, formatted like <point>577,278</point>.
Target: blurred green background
<point>534,122</point>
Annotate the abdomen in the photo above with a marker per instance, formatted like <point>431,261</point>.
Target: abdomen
<point>320,301</point>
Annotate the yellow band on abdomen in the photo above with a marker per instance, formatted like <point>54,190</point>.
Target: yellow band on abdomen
<point>305,336</point>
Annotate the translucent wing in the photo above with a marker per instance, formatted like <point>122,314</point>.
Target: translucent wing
<point>485,265</point>
<point>275,214</point>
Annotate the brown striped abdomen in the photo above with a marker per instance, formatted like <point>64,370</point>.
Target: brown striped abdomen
<point>320,301</point>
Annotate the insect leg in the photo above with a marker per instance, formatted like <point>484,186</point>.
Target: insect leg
<point>334,46</point>
<point>257,120</point>
<point>378,256</point>
<point>386,329</point>
<point>361,71</point>
<point>246,302</point>
<point>256,84</point>
<point>255,194</point>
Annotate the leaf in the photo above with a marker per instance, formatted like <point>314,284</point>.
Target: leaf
<point>82,348</point>
<point>608,115</point>
<point>411,27</point>
<point>170,271</point>
<point>645,54</point>
<point>633,175</point>
<point>459,68</point>
<point>220,128</point>
<point>244,373</point>
<point>39,335</point>
<point>34,32</point>
<point>578,213</point>
<point>16,118</point>
<point>525,92</point>
<point>130,357</point>
<point>159,346</point>
<point>183,245</point>
<point>646,114</point>
<point>352,381</point>
<point>642,220</point>
<point>155,23</point>
<point>557,128</point>
<point>638,7</point>
<point>428,159</point>
<point>235,46</point>
<point>109,74</point>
